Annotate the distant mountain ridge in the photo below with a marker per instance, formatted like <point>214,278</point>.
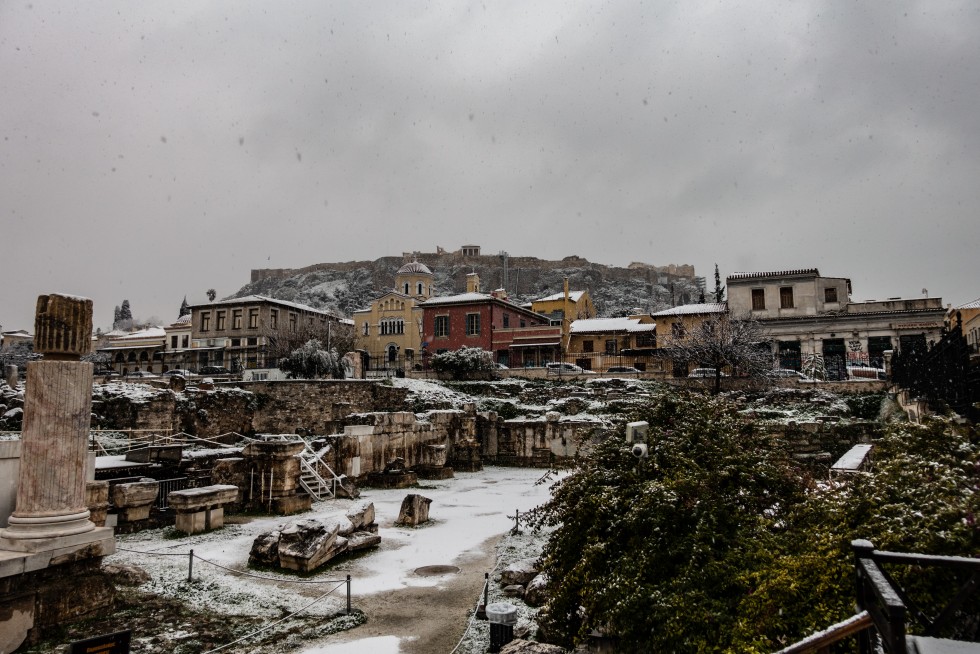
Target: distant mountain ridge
<point>344,287</point>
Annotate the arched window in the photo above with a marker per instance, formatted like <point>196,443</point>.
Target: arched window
<point>419,292</point>
<point>406,288</point>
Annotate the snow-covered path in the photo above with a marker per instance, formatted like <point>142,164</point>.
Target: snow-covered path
<point>466,514</point>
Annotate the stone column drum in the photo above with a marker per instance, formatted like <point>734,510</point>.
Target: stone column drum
<point>51,498</point>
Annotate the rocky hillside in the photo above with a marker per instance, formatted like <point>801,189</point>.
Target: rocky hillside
<point>345,287</point>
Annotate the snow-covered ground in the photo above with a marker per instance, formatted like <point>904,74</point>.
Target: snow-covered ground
<point>465,513</point>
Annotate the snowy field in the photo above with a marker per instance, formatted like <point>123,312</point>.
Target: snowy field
<point>466,512</point>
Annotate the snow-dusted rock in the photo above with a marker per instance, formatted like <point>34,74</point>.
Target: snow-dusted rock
<point>265,549</point>
<point>536,592</point>
<point>362,540</point>
<point>307,544</point>
<point>514,590</point>
<point>414,510</point>
<point>14,415</point>
<point>519,646</point>
<point>361,514</point>
<point>127,575</point>
<point>520,572</point>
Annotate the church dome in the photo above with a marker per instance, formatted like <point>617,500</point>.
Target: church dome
<point>414,268</point>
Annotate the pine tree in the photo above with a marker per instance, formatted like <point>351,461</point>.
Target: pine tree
<point>184,308</point>
<point>719,289</point>
<point>125,313</point>
<point>116,317</point>
<point>212,294</point>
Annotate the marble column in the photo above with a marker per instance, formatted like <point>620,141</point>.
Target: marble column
<point>57,411</point>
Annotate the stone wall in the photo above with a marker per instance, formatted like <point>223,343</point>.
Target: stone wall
<point>249,407</point>
<point>823,442</point>
<point>538,443</point>
<point>319,406</point>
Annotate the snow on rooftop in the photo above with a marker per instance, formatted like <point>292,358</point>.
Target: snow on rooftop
<point>264,298</point>
<point>460,298</point>
<point>607,325</point>
<point>693,309</point>
<point>574,296</point>
<point>971,305</point>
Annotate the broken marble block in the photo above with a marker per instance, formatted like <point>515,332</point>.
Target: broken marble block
<point>414,510</point>
<point>306,545</point>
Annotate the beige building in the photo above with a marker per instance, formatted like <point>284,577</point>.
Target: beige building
<point>240,332</point>
<point>564,308</point>
<point>389,330</point>
<point>676,323</point>
<point>812,323</point>
<point>600,343</point>
<point>969,315</point>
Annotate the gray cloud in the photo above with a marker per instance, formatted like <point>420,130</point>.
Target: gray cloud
<point>148,152</point>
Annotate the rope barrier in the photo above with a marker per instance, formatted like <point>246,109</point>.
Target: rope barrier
<point>237,572</point>
<point>469,625</point>
<point>277,622</point>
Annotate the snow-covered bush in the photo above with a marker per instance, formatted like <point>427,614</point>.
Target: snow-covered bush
<point>311,361</point>
<point>463,361</point>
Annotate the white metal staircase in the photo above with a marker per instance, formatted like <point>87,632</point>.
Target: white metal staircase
<point>316,477</point>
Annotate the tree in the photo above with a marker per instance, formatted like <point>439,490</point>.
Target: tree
<point>740,344</point>
<point>463,361</point>
<point>312,361</point>
<point>18,355</point>
<point>657,551</point>
<point>184,308</point>
<point>719,289</point>
<point>281,342</point>
<point>122,317</point>
<point>211,294</point>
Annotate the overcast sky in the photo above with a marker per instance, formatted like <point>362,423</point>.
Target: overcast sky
<point>152,150</point>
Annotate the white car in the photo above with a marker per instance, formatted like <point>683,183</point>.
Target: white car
<point>705,372</point>
<point>556,368</point>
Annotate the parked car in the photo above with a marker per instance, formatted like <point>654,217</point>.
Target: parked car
<point>214,370</point>
<point>787,373</point>
<point>622,369</point>
<point>705,372</point>
<point>556,368</point>
<point>141,374</point>
<point>500,366</point>
<point>178,371</point>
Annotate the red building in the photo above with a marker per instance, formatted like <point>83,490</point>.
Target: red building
<point>516,336</point>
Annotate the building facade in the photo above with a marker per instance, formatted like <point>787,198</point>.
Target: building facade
<point>390,329</point>
<point>600,343</point>
<point>813,325</point>
<point>242,333</point>
<point>515,335</point>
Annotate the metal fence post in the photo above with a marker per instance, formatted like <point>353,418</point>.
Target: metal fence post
<point>190,566</point>
<point>348,594</point>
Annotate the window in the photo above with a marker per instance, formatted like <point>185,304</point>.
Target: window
<point>185,340</point>
<point>677,330</point>
<point>392,326</point>
<point>588,346</point>
<point>173,342</point>
<point>611,346</point>
<point>523,323</point>
<point>206,321</point>
<point>253,318</point>
<point>472,324</point>
<point>786,297</point>
<point>758,299</point>
<point>830,295</point>
<point>236,342</point>
<point>506,320</point>
<point>251,341</point>
<point>274,318</point>
<point>292,322</point>
<point>236,319</point>
<point>442,326</point>
<point>419,291</point>
<point>366,329</point>
<point>221,321</point>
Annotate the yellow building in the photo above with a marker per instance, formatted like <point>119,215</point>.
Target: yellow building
<point>390,329</point>
<point>675,324</point>
<point>565,308</point>
<point>969,318</point>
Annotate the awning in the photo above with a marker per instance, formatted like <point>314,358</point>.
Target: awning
<point>555,344</point>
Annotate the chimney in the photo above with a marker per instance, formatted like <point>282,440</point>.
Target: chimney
<point>566,289</point>
<point>472,283</point>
